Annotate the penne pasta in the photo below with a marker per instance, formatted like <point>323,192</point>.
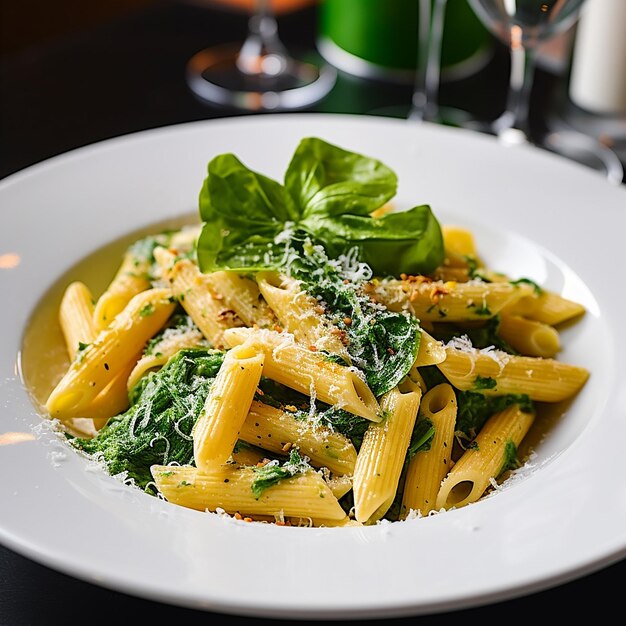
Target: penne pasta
<point>76,317</point>
<point>229,487</point>
<point>241,295</point>
<point>432,301</point>
<point>529,337</point>
<point>493,372</point>
<point>381,456</point>
<point>277,431</point>
<point>309,372</point>
<point>226,408</point>
<point>194,292</point>
<point>110,353</point>
<point>545,307</point>
<point>300,314</point>
<point>485,460</point>
<point>131,278</point>
<point>431,351</point>
<point>429,467</point>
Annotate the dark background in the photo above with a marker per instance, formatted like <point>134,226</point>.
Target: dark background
<point>75,72</point>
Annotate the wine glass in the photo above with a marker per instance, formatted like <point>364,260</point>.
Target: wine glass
<point>425,99</point>
<point>259,75</point>
<point>523,25</point>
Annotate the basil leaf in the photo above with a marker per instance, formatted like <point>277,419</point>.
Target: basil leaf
<point>243,213</point>
<point>249,219</point>
<point>408,241</point>
<point>324,179</point>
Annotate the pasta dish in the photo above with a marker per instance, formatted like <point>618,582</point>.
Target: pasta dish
<point>308,355</point>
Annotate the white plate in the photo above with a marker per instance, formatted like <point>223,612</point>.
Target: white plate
<point>534,215</point>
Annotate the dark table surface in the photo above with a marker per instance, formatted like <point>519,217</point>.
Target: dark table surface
<point>126,76</point>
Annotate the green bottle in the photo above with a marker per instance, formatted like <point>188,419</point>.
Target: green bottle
<point>378,39</point>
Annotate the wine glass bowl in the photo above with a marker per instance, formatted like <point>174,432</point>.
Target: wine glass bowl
<point>532,21</point>
<point>522,25</point>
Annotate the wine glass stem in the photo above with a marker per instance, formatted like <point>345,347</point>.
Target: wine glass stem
<point>427,77</point>
<point>523,57</point>
<point>262,39</point>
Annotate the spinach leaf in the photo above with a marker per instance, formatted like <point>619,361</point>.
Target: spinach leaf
<point>272,473</point>
<point>157,428</point>
<point>383,344</point>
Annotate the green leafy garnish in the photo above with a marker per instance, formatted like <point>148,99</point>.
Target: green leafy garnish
<point>511,460</point>
<point>527,281</point>
<point>157,428</point>
<point>484,382</point>
<point>272,473</point>
<point>382,343</point>
<point>329,195</point>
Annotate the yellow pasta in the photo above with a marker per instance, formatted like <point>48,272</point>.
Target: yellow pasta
<point>194,292</point>
<point>340,485</point>
<point>495,373</point>
<point>217,429</point>
<point>277,431</point>
<point>229,487</point>
<point>429,467</point>
<point>131,278</point>
<point>169,345</point>
<point>244,454</point>
<point>529,337</point>
<point>381,456</point>
<point>76,317</point>
<point>300,314</point>
<point>110,353</point>
<point>436,301</point>
<point>458,241</point>
<point>242,296</point>
<point>484,461</point>
<point>546,307</point>
<point>309,372</point>
<point>112,400</point>
<point>430,351</point>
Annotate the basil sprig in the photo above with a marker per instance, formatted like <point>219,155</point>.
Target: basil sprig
<point>329,195</point>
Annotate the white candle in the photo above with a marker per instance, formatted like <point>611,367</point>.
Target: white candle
<point>598,76</point>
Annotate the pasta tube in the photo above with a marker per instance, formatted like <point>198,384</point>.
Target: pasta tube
<point>194,291</point>
<point>430,351</point>
<point>381,456</point>
<point>76,317</point>
<point>529,337</point>
<point>110,353</point>
<point>131,278</point>
<point>309,372</point>
<point>276,431</point>
<point>241,295</point>
<point>493,373</point>
<point>429,467</point>
<point>226,407</point>
<point>546,307</point>
<point>432,301</point>
<point>485,460</point>
<point>297,313</point>
<point>229,487</point>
